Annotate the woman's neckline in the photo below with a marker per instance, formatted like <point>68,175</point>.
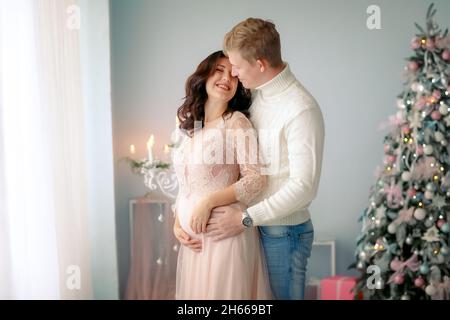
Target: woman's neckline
<point>214,120</point>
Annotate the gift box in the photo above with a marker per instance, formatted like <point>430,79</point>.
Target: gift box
<point>337,288</point>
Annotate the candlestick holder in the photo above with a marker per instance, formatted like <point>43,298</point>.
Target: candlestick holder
<point>158,176</point>
<point>164,180</point>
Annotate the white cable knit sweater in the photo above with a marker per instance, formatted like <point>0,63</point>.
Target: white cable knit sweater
<point>291,132</point>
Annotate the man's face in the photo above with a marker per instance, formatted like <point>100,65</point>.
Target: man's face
<point>249,74</point>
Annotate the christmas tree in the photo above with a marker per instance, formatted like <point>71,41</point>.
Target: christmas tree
<point>403,250</point>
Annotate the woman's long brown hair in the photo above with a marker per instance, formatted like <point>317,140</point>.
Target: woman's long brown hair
<point>193,108</point>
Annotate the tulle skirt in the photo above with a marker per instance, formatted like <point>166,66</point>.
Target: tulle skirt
<point>233,268</point>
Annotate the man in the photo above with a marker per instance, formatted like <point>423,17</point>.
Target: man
<point>291,136</point>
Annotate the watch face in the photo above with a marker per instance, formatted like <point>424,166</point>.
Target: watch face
<point>247,221</point>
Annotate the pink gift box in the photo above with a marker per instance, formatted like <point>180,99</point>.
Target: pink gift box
<point>337,288</point>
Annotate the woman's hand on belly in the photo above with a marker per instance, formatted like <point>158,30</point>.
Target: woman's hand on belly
<point>200,215</point>
<point>185,239</point>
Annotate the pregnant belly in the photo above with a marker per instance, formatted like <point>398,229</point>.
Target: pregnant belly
<point>184,212</point>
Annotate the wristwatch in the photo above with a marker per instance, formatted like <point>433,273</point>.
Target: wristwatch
<point>247,221</point>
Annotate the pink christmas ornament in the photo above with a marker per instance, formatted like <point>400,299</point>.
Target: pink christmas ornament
<point>411,192</point>
<point>389,159</point>
<point>415,43</point>
<point>446,54</point>
<point>387,148</point>
<point>440,223</point>
<point>419,282</point>
<point>406,130</point>
<point>436,115</point>
<point>413,66</point>
<point>437,94</point>
<point>430,44</point>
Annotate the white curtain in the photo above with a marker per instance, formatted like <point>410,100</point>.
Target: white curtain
<point>44,249</point>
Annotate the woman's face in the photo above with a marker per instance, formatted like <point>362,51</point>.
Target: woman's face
<point>221,84</point>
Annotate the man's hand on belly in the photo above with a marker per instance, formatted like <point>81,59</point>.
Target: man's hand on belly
<point>225,222</point>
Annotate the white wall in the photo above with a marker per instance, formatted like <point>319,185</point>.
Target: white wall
<point>354,73</point>
<point>95,55</point>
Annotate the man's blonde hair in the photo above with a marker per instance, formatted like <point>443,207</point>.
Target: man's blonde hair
<point>255,39</point>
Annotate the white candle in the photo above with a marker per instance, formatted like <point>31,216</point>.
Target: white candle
<point>132,149</point>
<point>166,153</point>
<point>150,143</point>
<point>176,134</point>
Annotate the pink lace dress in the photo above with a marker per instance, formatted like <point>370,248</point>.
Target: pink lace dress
<point>233,268</point>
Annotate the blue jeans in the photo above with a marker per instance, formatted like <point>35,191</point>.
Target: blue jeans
<point>287,249</point>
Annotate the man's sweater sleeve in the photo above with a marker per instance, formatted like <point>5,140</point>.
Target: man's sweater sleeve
<point>304,135</point>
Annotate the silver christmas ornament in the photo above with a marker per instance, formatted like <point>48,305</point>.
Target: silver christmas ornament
<point>428,149</point>
<point>420,214</point>
<point>443,109</point>
<point>379,284</point>
<point>392,228</point>
<point>409,240</point>
<point>362,256</point>
<point>438,136</point>
<point>430,290</point>
<point>429,195</point>
<point>406,176</point>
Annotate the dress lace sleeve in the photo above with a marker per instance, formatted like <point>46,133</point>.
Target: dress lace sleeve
<point>245,146</point>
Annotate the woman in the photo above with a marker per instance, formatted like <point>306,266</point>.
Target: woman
<point>213,170</point>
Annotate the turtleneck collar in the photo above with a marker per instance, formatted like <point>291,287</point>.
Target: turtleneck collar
<point>278,84</point>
